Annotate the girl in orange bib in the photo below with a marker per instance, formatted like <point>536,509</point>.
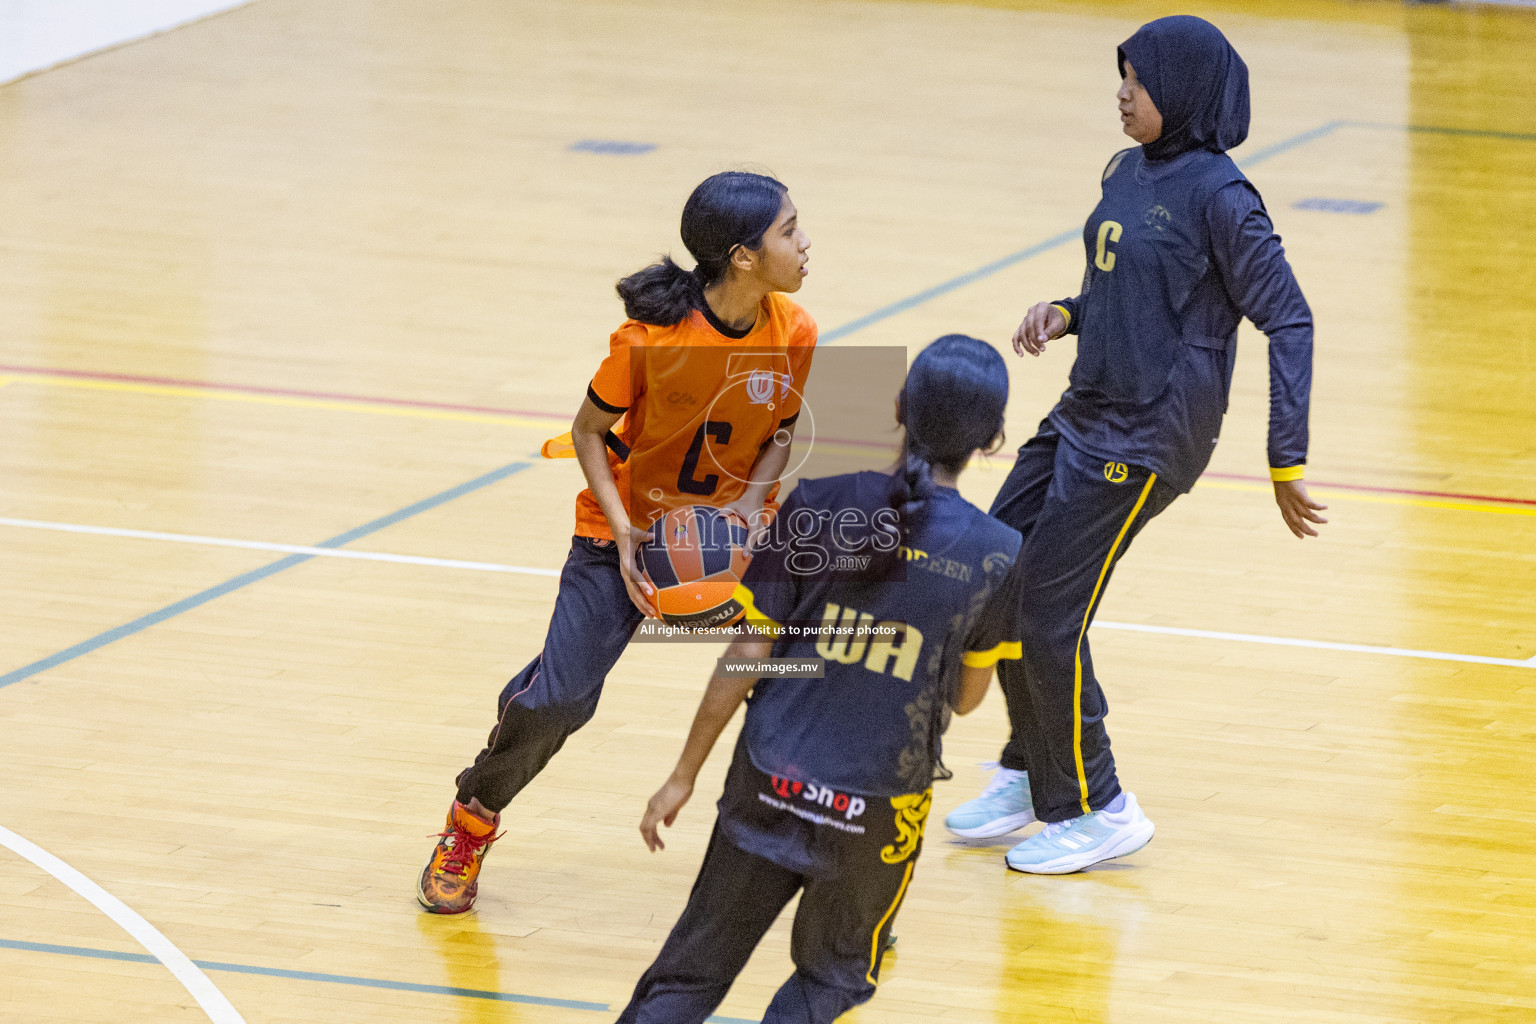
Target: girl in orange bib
<point>695,404</point>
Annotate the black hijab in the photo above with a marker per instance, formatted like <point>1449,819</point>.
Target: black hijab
<point>1197,81</point>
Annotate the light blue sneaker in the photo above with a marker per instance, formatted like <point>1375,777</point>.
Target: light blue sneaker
<point>1003,807</point>
<point>1063,847</point>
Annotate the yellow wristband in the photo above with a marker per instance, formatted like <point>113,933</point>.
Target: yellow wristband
<point>1066,313</point>
<point>1286,474</point>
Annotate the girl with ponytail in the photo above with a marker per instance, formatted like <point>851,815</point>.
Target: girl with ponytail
<point>728,213</point>
<point>948,376</point>
<point>830,785</point>
<point>674,416</point>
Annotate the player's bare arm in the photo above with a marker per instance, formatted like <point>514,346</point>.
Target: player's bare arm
<point>587,436</point>
<point>974,682</point>
<point>721,699</point>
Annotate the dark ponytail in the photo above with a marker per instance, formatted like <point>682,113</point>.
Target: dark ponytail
<point>726,210</point>
<point>661,294</point>
<point>952,404</point>
<point>912,486</point>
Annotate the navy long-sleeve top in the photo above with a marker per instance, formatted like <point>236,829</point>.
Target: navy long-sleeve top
<point>1178,252</point>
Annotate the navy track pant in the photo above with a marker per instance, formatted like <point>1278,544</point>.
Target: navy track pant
<point>1078,514</point>
<point>557,692</point>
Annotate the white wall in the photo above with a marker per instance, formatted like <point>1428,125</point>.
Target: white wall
<point>36,34</point>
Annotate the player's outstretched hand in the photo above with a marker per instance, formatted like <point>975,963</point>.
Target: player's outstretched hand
<point>640,592</point>
<point>1042,323</point>
<point>1297,508</point>
<point>662,810</point>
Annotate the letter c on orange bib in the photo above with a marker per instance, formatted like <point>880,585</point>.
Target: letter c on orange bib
<point>695,562</point>
<point>1116,472</point>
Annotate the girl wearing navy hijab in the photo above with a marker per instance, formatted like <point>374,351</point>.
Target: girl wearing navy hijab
<point>1179,250</point>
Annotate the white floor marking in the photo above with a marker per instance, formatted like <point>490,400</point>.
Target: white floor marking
<point>291,549</point>
<point>1318,645</point>
<point>452,563</point>
<point>194,980</point>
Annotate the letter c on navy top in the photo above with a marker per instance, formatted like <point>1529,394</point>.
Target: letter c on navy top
<point>1109,231</point>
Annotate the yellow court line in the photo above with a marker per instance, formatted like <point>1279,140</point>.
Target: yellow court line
<point>1379,499</point>
<point>301,403</point>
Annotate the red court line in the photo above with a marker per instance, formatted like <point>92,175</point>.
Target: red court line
<point>1382,490</point>
<point>329,396</point>
<point>410,403</point>
<point>252,389</point>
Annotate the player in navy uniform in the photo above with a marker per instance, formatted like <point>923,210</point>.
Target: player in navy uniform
<point>1179,249</point>
<point>829,788</point>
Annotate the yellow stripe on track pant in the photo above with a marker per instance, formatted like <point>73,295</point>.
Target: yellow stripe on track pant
<point>1077,655</point>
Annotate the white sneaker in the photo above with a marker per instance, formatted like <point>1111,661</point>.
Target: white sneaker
<point>1063,847</point>
<point>1003,807</point>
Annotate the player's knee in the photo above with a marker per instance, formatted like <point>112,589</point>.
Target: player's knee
<point>567,712</point>
<point>579,713</point>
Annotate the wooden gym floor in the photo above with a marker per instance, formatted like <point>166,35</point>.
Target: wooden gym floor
<point>326,274</point>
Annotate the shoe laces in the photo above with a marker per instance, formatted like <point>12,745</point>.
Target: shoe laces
<point>1002,778</point>
<point>1055,828</point>
<point>464,848</point>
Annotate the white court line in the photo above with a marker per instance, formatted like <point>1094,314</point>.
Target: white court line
<point>194,980</point>
<point>1317,645</point>
<point>451,563</point>
<point>291,549</point>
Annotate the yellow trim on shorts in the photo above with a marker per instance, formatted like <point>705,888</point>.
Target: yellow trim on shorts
<point>1010,649</point>
<point>1077,656</point>
<point>754,617</point>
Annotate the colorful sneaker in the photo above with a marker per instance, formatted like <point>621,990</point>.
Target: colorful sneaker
<point>1003,807</point>
<point>451,878</point>
<point>1063,847</point>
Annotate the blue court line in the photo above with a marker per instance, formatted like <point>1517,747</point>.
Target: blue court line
<point>902,305</point>
<point>988,269</point>
<point>1258,157</point>
<point>246,579</point>
<point>1286,145</point>
<point>334,979</point>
